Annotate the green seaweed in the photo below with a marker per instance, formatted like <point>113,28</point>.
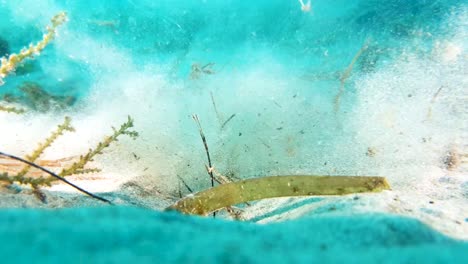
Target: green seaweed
<point>11,109</point>
<point>47,143</point>
<point>36,98</point>
<point>221,196</point>
<point>24,177</point>
<point>78,167</point>
<point>10,63</point>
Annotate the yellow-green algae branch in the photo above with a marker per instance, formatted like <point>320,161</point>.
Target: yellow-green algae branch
<point>8,65</point>
<point>205,202</point>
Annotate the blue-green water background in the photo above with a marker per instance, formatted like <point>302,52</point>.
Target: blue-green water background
<point>230,33</point>
<point>277,68</point>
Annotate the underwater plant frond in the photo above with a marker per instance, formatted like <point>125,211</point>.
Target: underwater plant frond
<point>34,97</point>
<point>34,182</point>
<point>86,171</point>
<point>37,179</point>
<point>8,65</point>
<point>229,194</point>
<point>10,109</point>
<point>65,126</point>
<point>78,166</point>
<point>42,181</point>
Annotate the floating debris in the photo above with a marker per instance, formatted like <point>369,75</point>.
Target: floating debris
<point>347,73</point>
<point>371,152</point>
<point>198,70</point>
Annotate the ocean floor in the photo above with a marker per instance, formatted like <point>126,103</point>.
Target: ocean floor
<point>447,217</point>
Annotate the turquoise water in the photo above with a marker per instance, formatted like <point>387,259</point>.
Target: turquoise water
<point>277,71</point>
<point>233,34</point>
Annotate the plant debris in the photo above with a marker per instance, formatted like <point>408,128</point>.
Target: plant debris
<point>229,194</point>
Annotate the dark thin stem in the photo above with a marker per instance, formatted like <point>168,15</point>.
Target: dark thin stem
<point>210,167</point>
<point>434,97</point>
<point>185,184</point>
<point>202,135</point>
<point>218,115</point>
<point>437,93</point>
<point>264,143</point>
<point>55,176</point>
<point>227,121</point>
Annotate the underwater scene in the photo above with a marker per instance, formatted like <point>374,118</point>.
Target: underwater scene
<point>203,131</point>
